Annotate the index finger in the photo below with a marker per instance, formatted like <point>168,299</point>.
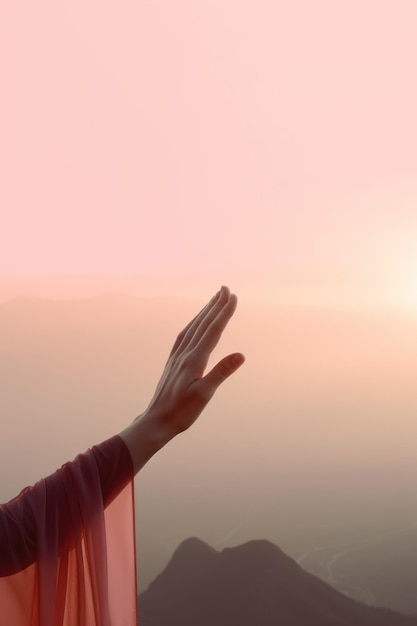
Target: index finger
<point>211,336</point>
<point>194,323</point>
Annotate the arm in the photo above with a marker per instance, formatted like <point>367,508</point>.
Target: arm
<point>183,390</point>
<point>101,473</point>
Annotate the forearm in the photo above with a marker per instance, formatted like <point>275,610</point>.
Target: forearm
<point>144,437</point>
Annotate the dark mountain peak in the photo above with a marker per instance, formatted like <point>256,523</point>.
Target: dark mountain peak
<point>259,551</point>
<point>194,548</point>
<point>253,554</point>
<point>256,545</point>
<point>192,555</point>
<point>254,583</point>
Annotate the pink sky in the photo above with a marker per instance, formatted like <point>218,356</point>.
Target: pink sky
<point>267,144</point>
<point>166,147</point>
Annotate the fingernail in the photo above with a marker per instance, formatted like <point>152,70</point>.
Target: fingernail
<point>238,359</point>
<point>218,295</point>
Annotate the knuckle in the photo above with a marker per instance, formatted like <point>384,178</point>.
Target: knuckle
<point>224,370</point>
<point>202,394</point>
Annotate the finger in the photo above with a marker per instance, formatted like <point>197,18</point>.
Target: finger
<point>187,331</point>
<point>211,337</point>
<point>201,321</point>
<point>224,368</point>
<point>204,323</point>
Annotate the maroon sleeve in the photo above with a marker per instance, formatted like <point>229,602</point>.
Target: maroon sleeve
<point>18,524</point>
<point>114,465</point>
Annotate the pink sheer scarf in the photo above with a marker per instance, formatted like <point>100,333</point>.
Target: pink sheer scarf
<point>83,571</point>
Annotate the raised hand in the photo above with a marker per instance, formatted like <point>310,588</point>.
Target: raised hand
<point>184,389</point>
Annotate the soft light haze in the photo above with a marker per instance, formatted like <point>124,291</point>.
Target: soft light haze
<point>152,151</point>
<point>239,139</point>
<point>311,442</point>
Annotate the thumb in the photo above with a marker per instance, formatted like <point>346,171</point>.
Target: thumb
<point>224,368</point>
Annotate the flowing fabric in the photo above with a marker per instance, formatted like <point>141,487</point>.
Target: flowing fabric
<point>67,545</point>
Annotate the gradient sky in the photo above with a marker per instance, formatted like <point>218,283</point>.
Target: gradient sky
<point>313,439</point>
<point>267,144</point>
<point>162,148</point>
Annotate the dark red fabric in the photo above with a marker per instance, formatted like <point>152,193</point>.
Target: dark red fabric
<point>67,546</point>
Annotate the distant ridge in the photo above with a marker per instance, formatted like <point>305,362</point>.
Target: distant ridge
<point>254,584</point>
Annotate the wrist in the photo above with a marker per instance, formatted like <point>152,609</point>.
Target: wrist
<point>144,437</point>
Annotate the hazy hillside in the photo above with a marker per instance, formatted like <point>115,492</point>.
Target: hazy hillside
<point>255,583</point>
<point>311,445</point>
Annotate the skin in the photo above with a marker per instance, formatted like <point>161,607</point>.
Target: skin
<point>184,390</point>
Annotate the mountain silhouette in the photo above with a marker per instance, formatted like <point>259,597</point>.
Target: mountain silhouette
<point>254,584</point>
